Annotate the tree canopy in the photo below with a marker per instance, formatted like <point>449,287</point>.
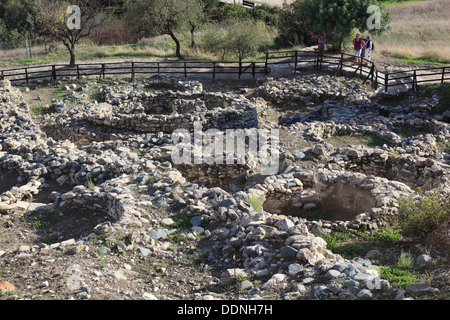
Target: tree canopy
<point>337,18</point>
<point>159,17</point>
<point>17,19</point>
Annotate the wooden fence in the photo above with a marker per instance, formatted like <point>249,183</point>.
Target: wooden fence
<point>133,69</point>
<point>297,59</point>
<point>342,62</point>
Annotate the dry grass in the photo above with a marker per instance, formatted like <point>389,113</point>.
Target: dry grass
<point>420,29</point>
<point>21,52</point>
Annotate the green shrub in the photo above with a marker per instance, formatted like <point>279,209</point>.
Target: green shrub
<point>332,239</point>
<point>405,261</point>
<point>419,216</point>
<point>268,14</point>
<point>398,277</point>
<point>91,184</point>
<point>337,242</point>
<point>255,202</point>
<point>387,235</point>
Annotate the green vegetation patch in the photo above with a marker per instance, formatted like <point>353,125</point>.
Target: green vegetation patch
<point>43,220</point>
<point>399,277</point>
<point>368,140</point>
<point>421,60</point>
<point>390,3</point>
<point>255,202</point>
<point>351,244</point>
<point>421,215</point>
<point>442,91</point>
<point>348,244</point>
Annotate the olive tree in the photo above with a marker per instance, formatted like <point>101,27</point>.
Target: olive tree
<point>165,17</point>
<point>238,38</point>
<point>68,22</point>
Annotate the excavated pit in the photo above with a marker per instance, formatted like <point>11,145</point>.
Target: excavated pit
<point>337,202</point>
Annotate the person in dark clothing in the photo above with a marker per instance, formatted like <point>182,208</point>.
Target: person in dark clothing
<point>321,47</point>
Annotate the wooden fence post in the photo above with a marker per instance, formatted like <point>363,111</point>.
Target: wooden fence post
<point>240,69</point>
<point>132,72</point>
<point>316,61</point>
<point>26,74</point>
<point>443,73</point>
<point>185,70</point>
<point>386,80</point>
<point>254,70</point>
<point>361,67</point>
<point>373,72</point>
<point>296,62</point>
<point>78,71</point>
<point>158,68</point>
<point>214,70</point>
<point>102,72</point>
<point>53,73</point>
<point>319,60</point>
<point>267,63</point>
<point>414,84</point>
<point>370,74</point>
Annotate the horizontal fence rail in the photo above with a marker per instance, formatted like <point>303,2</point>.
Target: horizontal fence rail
<point>132,69</point>
<point>338,62</point>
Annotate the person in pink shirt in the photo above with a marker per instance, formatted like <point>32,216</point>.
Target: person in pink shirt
<point>358,44</point>
<point>321,46</point>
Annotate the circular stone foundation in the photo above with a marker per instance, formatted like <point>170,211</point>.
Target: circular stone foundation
<point>341,199</point>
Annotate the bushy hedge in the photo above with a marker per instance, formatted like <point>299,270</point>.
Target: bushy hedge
<point>420,215</point>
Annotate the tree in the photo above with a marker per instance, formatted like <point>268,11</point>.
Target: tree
<point>169,17</point>
<point>270,15</point>
<point>17,19</point>
<point>195,17</point>
<point>211,10</point>
<point>293,29</point>
<point>239,38</point>
<point>243,37</point>
<point>53,16</point>
<point>337,18</point>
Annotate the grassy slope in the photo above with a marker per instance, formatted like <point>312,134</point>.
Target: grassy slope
<point>391,3</point>
<point>420,32</point>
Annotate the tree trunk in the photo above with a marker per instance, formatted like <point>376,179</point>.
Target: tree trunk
<point>178,46</point>
<point>71,49</point>
<point>296,39</point>
<point>341,40</point>
<point>72,59</point>
<point>192,37</point>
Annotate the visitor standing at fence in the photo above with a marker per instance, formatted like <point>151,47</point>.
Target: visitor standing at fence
<point>321,47</point>
<point>358,44</point>
<point>368,48</point>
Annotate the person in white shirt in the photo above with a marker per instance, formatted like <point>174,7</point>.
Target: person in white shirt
<point>368,48</point>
